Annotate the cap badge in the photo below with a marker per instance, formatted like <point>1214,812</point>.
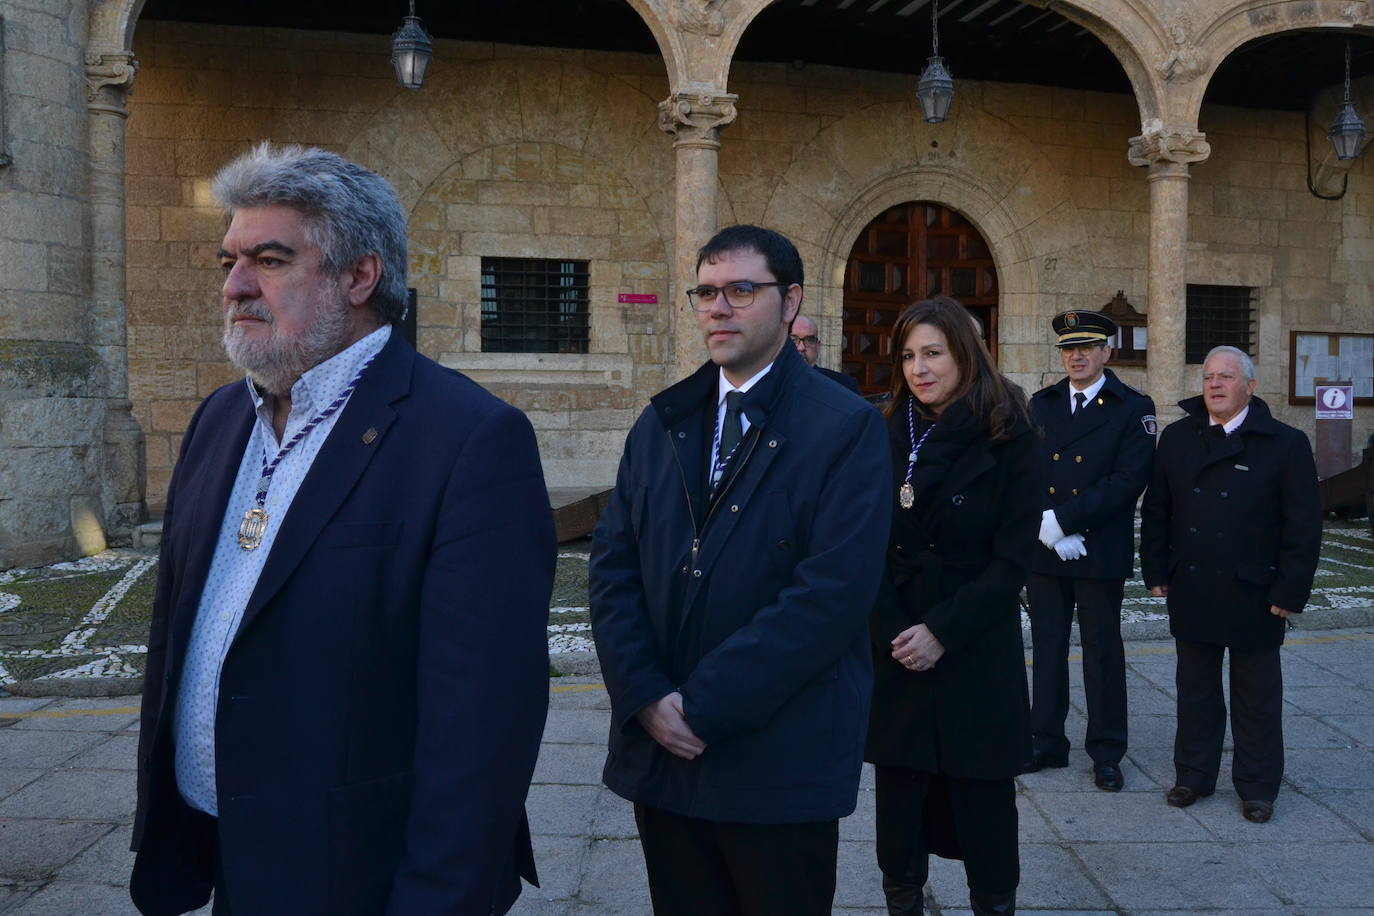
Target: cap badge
<point>1071,320</point>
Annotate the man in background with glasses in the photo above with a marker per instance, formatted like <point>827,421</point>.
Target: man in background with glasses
<point>731,578</point>
<point>806,338</point>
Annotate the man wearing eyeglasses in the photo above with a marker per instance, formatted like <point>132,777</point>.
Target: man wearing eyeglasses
<point>806,338</point>
<point>1099,443</point>
<point>731,577</point>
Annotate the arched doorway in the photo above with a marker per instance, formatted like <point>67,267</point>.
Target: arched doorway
<point>911,251</point>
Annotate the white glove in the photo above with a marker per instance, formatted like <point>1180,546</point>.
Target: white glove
<point>1071,547</point>
<point>1050,532</point>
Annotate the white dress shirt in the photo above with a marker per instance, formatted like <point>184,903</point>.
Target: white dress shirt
<point>1089,393</point>
<point>1230,425</point>
<point>234,571</point>
<point>724,388</point>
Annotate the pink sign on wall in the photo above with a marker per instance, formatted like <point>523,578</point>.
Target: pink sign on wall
<point>637,299</point>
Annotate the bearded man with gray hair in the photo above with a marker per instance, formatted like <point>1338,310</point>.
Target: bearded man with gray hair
<point>347,666</point>
<point>1230,532</point>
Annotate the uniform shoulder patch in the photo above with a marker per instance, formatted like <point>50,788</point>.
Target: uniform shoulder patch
<point>1148,421</point>
<point>1134,388</point>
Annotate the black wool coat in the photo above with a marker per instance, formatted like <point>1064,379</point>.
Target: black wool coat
<point>1232,525</point>
<point>753,604</point>
<point>957,562</point>
<point>1096,467</point>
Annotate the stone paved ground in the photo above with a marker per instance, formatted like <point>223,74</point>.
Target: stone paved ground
<point>79,628</point>
<point>66,800</point>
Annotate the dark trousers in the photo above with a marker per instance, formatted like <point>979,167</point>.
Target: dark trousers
<point>205,833</point>
<point>698,867</point>
<point>971,819</point>
<point>1256,720</point>
<point>1052,602</point>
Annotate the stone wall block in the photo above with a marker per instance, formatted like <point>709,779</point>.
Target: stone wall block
<point>43,472</point>
<point>23,265</point>
<point>42,522</point>
<point>582,221</point>
<point>173,415</point>
<point>522,193</point>
<point>47,369</point>
<point>1248,203</point>
<point>152,379</point>
<point>488,218</point>
<point>50,422</point>
<point>1304,207</point>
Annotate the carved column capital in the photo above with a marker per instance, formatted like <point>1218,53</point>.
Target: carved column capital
<point>694,119</point>
<point>1160,146</point>
<point>113,71</point>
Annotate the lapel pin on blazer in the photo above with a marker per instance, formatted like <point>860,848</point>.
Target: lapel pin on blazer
<point>370,436</point>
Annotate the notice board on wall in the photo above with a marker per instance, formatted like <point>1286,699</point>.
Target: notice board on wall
<point>1320,358</point>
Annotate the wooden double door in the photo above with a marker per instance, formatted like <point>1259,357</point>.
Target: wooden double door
<point>911,251</point>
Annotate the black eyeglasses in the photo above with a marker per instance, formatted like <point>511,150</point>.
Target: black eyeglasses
<point>808,341</point>
<point>738,295</point>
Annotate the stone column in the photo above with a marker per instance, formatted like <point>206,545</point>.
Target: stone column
<point>1167,155</point>
<point>694,120</point>
<point>109,77</point>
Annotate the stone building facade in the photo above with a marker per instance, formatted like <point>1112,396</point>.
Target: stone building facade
<point>109,307</point>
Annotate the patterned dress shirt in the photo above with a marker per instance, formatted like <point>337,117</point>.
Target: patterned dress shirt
<point>234,571</point>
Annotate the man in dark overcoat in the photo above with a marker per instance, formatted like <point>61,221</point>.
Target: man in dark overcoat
<point>347,665</point>
<point>731,577</point>
<point>1099,441</point>
<point>1230,533</point>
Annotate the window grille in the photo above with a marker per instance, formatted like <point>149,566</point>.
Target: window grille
<point>1219,316</point>
<point>534,305</point>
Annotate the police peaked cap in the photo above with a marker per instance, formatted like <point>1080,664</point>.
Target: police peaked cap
<point>1076,328</point>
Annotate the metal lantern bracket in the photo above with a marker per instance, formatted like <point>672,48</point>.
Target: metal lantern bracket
<point>411,51</point>
<point>935,89</point>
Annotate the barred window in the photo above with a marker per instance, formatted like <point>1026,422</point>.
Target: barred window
<point>534,305</point>
<point>1219,316</point>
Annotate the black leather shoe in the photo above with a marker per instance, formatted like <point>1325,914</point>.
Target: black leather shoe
<point>1039,761</point>
<point>1181,797</point>
<point>1107,777</point>
<point>1257,812</point>
<point>904,898</point>
<point>992,904</point>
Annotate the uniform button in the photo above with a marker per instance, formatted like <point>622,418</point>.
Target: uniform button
<point>684,569</point>
<point>1078,458</point>
<point>1223,494</point>
<point>696,574</point>
<point>734,508</point>
<point>1051,491</point>
<point>772,443</point>
<point>784,544</point>
<point>681,435</point>
<point>1056,456</point>
<point>1075,492</point>
<point>1192,531</point>
<point>1197,489</point>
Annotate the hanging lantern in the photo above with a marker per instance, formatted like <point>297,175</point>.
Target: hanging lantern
<point>411,51</point>
<point>935,89</point>
<point>1347,130</point>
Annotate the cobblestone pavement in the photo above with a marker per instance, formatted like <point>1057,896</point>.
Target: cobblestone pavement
<point>67,797</point>
<point>79,629</point>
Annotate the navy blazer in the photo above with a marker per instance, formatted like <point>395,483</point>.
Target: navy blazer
<point>1096,467</point>
<point>382,701</point>
<point>754,605</point>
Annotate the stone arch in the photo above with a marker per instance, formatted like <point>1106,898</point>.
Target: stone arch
<point>1242,21</point>
<point>1131,33</point>
<point>112,25</point>
<point>984,168</point>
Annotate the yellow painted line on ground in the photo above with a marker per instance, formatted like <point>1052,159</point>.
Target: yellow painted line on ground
<point>576,688</point>
<point>69,713</point>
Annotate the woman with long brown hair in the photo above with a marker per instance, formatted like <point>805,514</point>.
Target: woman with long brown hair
<point>949,727</point>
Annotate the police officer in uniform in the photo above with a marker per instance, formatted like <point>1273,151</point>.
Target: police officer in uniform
<point>1099,443</point>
